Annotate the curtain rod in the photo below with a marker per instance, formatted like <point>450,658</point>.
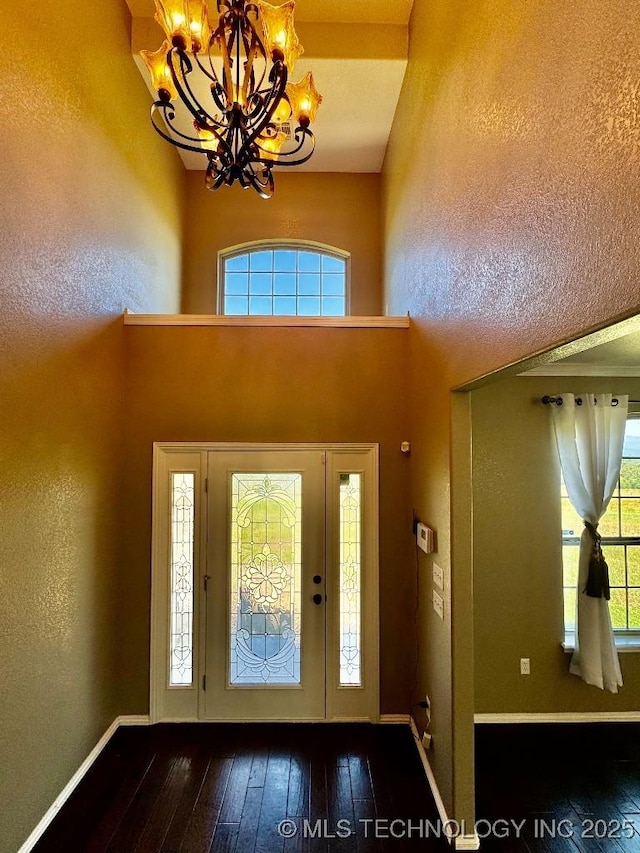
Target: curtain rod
<point>547,401</point>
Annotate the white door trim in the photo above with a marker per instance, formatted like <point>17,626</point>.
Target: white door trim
<point>184,703</point>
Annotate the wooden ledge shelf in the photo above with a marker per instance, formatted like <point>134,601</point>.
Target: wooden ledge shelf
<point>274,322</point>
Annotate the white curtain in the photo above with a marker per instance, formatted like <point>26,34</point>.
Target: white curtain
<point>590,434</point>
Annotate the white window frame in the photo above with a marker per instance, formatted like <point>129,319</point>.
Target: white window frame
<point>276,245</point>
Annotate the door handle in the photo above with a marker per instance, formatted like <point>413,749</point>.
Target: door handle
<point>317,579</point>
<point>317,598</point>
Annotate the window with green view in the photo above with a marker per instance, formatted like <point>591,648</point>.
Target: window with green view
<point>620,531</point>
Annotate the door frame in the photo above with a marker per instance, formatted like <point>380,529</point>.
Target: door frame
<point>183,704</point>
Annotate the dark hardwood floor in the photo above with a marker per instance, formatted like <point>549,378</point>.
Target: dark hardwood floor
<point>570,787</point>
<point>228,787</point>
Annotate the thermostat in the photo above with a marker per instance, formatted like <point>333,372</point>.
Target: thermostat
<point>425,538</point>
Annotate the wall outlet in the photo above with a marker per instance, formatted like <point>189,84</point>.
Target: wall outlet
<point>525,666</point>
<point>438,576</point>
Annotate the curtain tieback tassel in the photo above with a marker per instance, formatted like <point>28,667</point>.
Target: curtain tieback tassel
<point>598,579</point>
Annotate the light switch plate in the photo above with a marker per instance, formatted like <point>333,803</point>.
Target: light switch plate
<point>438,576</point>
<point>438,604</point>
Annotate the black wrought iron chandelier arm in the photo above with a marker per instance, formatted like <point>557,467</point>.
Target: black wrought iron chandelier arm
<point>176,136</point>
<point>199,113</point>
<point>210,75</point>
<point>266,115</point>
<point>284,158</point>
<point>253,48</point>
<point>262,183</point>
<point>191,143</point>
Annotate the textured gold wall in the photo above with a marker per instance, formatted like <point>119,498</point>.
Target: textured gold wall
<point>91,222</point>
<point>511,222</point>
<point>338,210</point>
<point>517,553</point>
<point>271,385</point>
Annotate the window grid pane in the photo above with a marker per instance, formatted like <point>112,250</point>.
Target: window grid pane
<point>256,284</point>
<point>619,527</point>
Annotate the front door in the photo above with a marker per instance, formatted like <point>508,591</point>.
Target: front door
<point>265,582</point>
<point>265,586</point>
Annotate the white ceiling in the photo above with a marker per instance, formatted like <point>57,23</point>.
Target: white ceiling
<point>323,11</point>
<point>358,70</point>
<point>619,357</point>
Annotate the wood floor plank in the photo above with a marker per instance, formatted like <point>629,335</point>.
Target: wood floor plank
<point>341,813</point>
<point>206,812</point>
<point>196,775</point>
<point>274,802</point>
<point>364,812</point>
<point>233,803</point>
<point>224,840</point>
<point>142,807</point>
<point>318,805</point>
<point>299,786</point>
<point>161,817</point>
<point>248,830</point>
<point>103,835</point>
<point>360,777</point>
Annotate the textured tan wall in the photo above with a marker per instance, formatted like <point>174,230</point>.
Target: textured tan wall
<point>511,222</point>
<point>271,385</point>
<point>518,557</point>
<point>336,209</point>
<point>90,223</point>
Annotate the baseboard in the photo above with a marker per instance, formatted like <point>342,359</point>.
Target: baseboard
<point>134,720</point>
<point>562,717</point>
<point>77,777</point>
<point>458,842</point>
<point>395,719</point>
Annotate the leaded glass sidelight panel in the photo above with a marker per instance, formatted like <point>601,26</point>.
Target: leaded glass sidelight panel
<point>182,547</point>
<point>350,579</point>
<point>266,578</point>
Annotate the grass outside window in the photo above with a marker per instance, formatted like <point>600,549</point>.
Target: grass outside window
<point>620,531</point>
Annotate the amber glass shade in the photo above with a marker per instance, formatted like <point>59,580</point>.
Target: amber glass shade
<point>279,32</point>
<point>156,62</point>
<point>173,17</point>
<point>270,146</point>
<point>283,111</point>
<point>207,138</point>
<point>304,99</point>
<point>199,28</point>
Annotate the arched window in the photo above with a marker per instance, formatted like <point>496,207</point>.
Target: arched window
<point>283,279</point>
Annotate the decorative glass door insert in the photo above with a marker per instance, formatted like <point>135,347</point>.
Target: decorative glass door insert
<point>266,578</point>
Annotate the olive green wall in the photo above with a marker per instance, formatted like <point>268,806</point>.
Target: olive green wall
<point>517,553</point>
<point>270,385</point>
<point>91,223</point>
<point>511,223</point>
<point>338,210</point>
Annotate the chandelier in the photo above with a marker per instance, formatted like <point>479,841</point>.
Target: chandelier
<point>223,89</point>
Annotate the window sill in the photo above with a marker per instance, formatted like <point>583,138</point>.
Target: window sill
<point>624,643</point>
<point>351,322</point>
